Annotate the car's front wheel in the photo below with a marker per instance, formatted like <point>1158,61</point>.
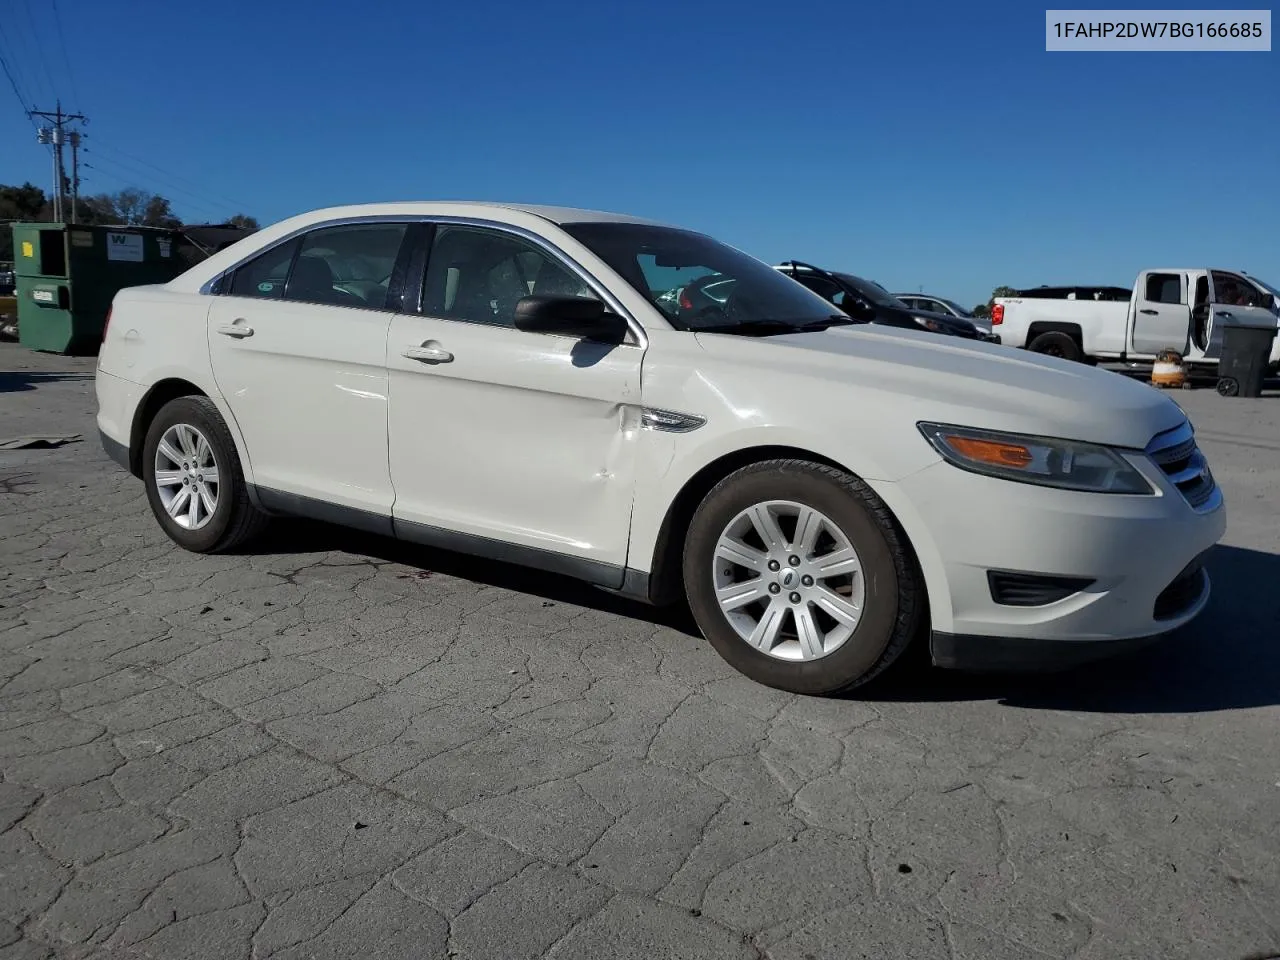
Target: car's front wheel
<point>194,480</point>
<point>799,577</point>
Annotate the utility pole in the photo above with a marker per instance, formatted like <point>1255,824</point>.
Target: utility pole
<point>55,135</point>
<point>45,135</point>
<point>75,173</point>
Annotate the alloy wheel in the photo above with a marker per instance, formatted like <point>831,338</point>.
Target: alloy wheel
<point>788,580</point>
<point>186,476</point>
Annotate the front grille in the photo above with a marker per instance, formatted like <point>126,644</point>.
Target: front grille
<point>1183,593</point>
<point>1177,454</point>
<point>1032,589</point>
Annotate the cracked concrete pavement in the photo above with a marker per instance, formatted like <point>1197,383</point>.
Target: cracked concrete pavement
<point>337,746</point>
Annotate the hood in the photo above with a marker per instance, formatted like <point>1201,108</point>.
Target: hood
<point>922,376</point>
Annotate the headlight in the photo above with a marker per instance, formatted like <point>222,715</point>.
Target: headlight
<point>931,325</point>
<point>1042,460</point>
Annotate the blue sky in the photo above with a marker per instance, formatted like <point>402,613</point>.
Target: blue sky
<point>931,145</point>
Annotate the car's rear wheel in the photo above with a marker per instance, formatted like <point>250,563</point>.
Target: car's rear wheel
<point>194,480</point>
<point>799,577</point>
<point>1056,344</point>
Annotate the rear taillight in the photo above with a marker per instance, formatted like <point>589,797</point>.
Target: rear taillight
<point>685,302</point>
<point>997,315</point>
<point>105,324</point>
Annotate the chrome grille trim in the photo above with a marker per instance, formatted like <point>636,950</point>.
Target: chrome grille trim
<point>1178,456</point>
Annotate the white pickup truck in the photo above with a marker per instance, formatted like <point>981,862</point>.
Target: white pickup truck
<point>1184,310</point>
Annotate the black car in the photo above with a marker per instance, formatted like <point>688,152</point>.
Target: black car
<point>872,303</point>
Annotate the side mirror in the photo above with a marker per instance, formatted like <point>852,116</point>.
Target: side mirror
<point>857,307</point>
<point>583,317</point>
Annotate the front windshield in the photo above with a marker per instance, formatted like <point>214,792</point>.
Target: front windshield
<point>1266,286</point>
<point>702,284</point>
<point>872,292</point>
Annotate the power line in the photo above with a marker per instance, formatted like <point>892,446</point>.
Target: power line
<point>39,48</point>
<point>66,59</point>
<point>169,174</point>
<point>128,168</point>
<point>130,178</point>
<point>128,181</point>
<point>13,83</point>
<point>11,74</point>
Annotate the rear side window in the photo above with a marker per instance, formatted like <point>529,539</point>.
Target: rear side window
<point>347,266</point>
<point>1164,288</point>
<point>264,277</point>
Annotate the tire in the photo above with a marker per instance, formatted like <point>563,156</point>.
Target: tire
<point>892,594</point>
<point>1055,343</point>
<point>1228,387</point>
<point>234,519</point>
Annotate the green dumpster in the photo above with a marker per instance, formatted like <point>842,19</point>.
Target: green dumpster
<point>67,275</point>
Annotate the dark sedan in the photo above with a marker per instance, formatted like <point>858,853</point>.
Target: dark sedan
<point>872,303</point>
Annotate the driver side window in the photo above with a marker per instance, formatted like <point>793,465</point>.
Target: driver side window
<point>478,276</point>
<point>1230,290</point>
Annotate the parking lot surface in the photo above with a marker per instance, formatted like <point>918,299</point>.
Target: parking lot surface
<point>338,746</point>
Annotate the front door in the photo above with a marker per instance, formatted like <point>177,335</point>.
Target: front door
<point>298,345</point>
<point>1162,320</point>
<point>518,445</point>
<point>1234,302</point>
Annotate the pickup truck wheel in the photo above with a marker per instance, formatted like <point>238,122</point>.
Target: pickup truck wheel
<point>798,576</point>
<point>1055,343</point>
<point>194,481</point>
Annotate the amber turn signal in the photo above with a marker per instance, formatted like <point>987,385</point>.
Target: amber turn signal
<point>990,451</point>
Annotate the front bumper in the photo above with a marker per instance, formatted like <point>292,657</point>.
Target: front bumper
<point>1136,553</point>
<point>952,651</point>
<point>1181,601</point>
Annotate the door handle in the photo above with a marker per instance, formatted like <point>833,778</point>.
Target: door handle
<point>1149,312</point>
<point>425,354</point>
<point>1224,314</point>
<point>237,330</point>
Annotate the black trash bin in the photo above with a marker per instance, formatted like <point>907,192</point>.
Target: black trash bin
<point>1243,366</point>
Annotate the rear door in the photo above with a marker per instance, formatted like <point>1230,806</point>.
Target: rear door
<point>298,345</point>
<point>1162,317</point>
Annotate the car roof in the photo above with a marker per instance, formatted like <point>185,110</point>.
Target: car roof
<point>524,215</point>
<point>556,214</point>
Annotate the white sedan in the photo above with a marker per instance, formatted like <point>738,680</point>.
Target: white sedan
<point>511,382</point>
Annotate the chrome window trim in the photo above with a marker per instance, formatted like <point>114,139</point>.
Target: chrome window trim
<point>207,287</point>
<point>555,252</point>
